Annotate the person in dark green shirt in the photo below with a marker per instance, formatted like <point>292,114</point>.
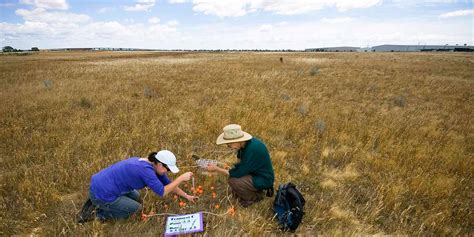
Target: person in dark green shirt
<point>254,173</point>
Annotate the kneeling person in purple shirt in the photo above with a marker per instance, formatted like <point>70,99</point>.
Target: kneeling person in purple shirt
<point>113,190</point>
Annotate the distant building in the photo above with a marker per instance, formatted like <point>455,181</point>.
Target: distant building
<point>71,49</point>
<point>334,49</point>
<point>420,48</point>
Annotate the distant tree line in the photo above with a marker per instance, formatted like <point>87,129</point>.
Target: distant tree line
<point>8,49</point>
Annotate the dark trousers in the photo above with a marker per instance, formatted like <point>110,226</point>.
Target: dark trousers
<point>244,190</point>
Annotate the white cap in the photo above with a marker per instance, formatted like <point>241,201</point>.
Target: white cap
<point>167,157</point>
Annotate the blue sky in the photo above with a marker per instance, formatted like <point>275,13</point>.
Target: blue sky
<point>233,24</point>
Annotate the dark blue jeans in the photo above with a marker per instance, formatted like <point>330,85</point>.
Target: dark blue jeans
<point>121,208</point>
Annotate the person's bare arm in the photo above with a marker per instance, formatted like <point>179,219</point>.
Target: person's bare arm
<point>214,168</point>
<point>173,185</point>
<point>182,193</point>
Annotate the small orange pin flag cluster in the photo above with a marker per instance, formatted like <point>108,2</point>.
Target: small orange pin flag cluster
<point>199,190</point>
<point>231,211</point>
<point>182,204</point>
<point>144,217</point>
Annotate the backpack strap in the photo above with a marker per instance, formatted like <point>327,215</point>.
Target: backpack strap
<point>298,196</point>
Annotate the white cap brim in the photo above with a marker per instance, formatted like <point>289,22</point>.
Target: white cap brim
<point>173,168</point>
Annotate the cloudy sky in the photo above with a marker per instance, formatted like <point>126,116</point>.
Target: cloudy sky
<point>233,24</point>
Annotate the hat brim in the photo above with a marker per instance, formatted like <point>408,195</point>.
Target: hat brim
<point>173,168</point>
<point>220,139</point>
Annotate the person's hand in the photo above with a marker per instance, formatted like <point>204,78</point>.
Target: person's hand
<point>186,176</point>
<point>191,198</point>
<point>211,167</point>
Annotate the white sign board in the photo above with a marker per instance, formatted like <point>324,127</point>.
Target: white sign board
<point>184,224</point>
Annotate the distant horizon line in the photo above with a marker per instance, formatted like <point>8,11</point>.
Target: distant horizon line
<point>228,49</point>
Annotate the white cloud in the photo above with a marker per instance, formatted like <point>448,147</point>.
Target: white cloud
<point>290,7</point>
<point>115,34</point>
<point>337,20</point>
<point>457,13</point>
<point>41,15</point>
<point>47,4</point>
<point>223,8</point>
<point>301,35</point>
<point>109,30</point>
<point>29,2</point>
<point>41,24</point>
<point>266,28</point>
<point>129,20</point>
<point>348,4</point>
<point>154,20</point>
<point>105,10</point>
<point>172,23</point>
<point>177,1</point>
<point>236,8</point>
<point>305,6</point>
<point>424,1</point>
<point>45,29</point>
<point>25,28</point>
<point>141,5</point>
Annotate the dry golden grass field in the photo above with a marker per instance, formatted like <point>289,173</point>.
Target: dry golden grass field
<point>378,143</point>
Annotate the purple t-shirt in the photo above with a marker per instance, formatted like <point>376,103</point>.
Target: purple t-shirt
<point>125,176</point>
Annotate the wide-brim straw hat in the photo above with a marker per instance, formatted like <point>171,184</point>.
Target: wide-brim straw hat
<point>233,133</point>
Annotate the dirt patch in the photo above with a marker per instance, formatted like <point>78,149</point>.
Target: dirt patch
<point>313,61</point>
<point>70,197</point>
<point>349,172</point>
<point>162,60</point>
<point>328,183</point>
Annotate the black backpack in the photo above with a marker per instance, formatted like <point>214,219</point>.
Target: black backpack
<point>288,207</point>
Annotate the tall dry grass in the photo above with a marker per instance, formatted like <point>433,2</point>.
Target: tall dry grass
<point>378,143</point>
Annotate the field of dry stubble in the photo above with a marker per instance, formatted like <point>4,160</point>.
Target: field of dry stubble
<point>378,143</point>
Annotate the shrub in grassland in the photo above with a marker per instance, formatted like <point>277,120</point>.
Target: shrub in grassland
<point>48,84</point>
<point>399,101</point>
<point>85,103</point>
<point>314,71</point>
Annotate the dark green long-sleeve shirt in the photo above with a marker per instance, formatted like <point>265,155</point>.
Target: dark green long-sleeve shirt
<point>254,161</point>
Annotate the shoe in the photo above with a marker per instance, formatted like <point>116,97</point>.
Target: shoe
<point>87,212</point>
<point>269,192</point>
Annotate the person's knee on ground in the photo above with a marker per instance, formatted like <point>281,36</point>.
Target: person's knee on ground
<point>236,187</point>
<point>134,194</point>
<point>232,183</point>
<point>244,191</point>
<point>129,211</point>
<point>122,208</point>
<point>117,214</point>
